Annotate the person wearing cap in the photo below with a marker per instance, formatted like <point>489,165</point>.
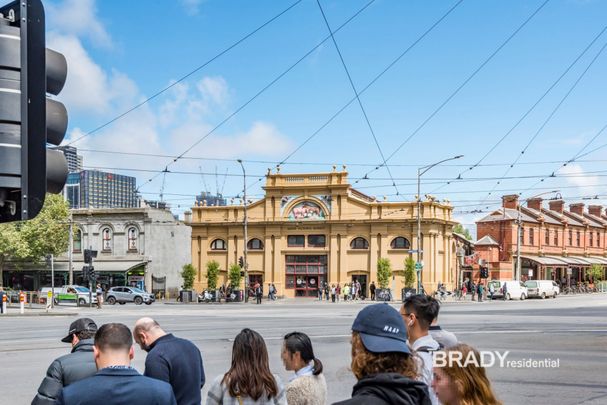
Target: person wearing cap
<point>382,362</point>
<point>72,367</point>
<point>418,312</point>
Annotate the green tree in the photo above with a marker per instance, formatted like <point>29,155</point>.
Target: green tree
<point>595,272</point>
<point>384,271</point>
<point>459,228</point>
<point>212,274</point>
<point>409,272</point>
<point>30,241</point>
<point>234,276</point>
<point>188,272</point>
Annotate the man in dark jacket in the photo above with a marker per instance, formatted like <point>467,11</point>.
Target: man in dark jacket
<point>379,343</point>
<point>171,359</point>
<point>67,369</point>
<point>116,382</point>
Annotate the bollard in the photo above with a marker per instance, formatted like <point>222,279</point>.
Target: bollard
<point>4,300</point>
<point>21,302</point>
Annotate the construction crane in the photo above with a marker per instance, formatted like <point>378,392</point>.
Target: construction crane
<point>164,177</point>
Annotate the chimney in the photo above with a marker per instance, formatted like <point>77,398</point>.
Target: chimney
<point>595,210</point>
<point>557,205</point>
<point>510,201</point>
<point>187,217</point>
<point>535,203</point>
<point>577,208</point>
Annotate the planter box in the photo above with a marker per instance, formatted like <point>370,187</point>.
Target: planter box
<point>236,296</point>
<point>383,294</point>
<point>407,292</point>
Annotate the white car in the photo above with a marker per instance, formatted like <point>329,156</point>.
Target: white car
<point>514,289</point>
<point>541,288</point>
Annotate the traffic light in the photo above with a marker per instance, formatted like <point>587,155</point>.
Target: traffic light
<point>89,255</point>
<point>85,273</point>
<point>241,262</point>
<point>28,119</point>
<point>92,275</point>
<point>484,272</point>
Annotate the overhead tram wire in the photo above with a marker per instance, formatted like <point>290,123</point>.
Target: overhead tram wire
<point>260,92</point>
<point>530,110</point>
<point>362,107</point>
<point>551,115</point>
<point>462,85</point>
<point>274,162</point>
<point>182,78</point>
<point>371,83</point>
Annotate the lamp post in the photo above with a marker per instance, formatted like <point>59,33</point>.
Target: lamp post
<point>420,173</point>
<point>517,273</point>
<point>246,263</point>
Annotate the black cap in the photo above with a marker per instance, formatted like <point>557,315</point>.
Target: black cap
<point>381,329</point>
<point>80,325</point>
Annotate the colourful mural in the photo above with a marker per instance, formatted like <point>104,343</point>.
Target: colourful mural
<point>306,210</point>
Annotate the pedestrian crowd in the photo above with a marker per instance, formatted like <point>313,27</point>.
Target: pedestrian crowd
<point>392,359</point>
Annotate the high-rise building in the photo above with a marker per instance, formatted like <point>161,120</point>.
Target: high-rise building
<point>74,160</point>
<point>211,199</point>
<point>97,189</point>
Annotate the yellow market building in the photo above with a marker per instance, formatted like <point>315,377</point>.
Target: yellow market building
<point>315,228</point>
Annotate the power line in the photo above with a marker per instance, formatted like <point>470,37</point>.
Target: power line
<point>182,78</point>
<point>260,92</point>
<point>362,108</point>
<point>461,86</point>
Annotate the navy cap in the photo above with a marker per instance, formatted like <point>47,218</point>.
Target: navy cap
<point>80,325</point>
<point>381,329</point>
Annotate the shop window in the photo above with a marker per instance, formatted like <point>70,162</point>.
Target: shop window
<point>317,241</point>
<point>547,240</point>
<point>218,244</point>
<point>132,236</point>
<point>531,236</point>
<point>106,240</point>
<point>556,237</point>
<point>359,243</point>
<point>255,244</point>
<point>77,241</point>
<point>400,243</point>
<point>577,238</point>
<point>296,240</point>
<point>305,274</point>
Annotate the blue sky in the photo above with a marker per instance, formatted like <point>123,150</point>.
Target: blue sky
<point>121,53</point>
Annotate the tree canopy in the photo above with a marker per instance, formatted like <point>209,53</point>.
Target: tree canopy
<point>459,228</point>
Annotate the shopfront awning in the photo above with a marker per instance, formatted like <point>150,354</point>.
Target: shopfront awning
<point>546,260</point>
<point>597,260</point>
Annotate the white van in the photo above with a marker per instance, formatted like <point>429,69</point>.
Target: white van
<point>69,294</point>
<point>541,288</point>
<point>514,289</point>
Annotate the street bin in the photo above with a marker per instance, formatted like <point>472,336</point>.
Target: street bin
<point>185,296</point>
<point>406,293</point>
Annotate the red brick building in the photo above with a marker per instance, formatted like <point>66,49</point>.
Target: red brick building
<point>555,242</point>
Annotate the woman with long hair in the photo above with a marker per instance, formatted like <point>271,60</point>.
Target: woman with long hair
<point>249,379</point>
<point>308,385</point>
<point>455,384</point>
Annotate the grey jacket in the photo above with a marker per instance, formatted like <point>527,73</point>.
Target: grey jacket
<point>65,370</point>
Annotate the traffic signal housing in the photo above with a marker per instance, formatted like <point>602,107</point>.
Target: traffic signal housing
<point>484,272</point>
<point>85,273</point>
<point>28,118</point>
<point>241,262</point>
<point>92,275</point>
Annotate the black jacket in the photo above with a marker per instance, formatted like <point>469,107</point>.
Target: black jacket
<point>114,386</point>
<point>388,389</point>
<point>65,370</point>
<point>178,362</point>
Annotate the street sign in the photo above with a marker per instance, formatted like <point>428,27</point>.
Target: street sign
<point>414,251</point>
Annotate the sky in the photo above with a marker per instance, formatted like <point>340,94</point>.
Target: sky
<point>383,87</point>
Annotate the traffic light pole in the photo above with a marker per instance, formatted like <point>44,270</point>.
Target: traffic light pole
<point>246,263</point>
<point>91,282</point>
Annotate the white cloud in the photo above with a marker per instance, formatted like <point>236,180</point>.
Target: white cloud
<point>578,177</point>
<point>192,7</point>
<point>78,18</point>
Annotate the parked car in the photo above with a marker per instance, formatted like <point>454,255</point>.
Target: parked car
<point>541,288</point>
<point>68,294</point>
<point>514,289</point>
<point>122,295</point>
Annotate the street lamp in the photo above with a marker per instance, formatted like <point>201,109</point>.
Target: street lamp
<point>517,274</point>
<point>246,263</point>
<point>420,173</point>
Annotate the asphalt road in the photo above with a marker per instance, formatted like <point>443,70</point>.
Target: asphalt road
<point>572,330</point>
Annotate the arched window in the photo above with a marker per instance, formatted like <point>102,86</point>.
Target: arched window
<point>255,244</point>
<point>359,243</point>
<point>132,240</point>
<point>106,240</point>
<point>218,244</point>
<point>77,241</point>
<point>400,243</point>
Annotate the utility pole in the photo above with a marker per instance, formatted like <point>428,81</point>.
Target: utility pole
<point>420,173</point>
<point>245,223</point>
<point>70,252</point>
<point>52,281</point>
